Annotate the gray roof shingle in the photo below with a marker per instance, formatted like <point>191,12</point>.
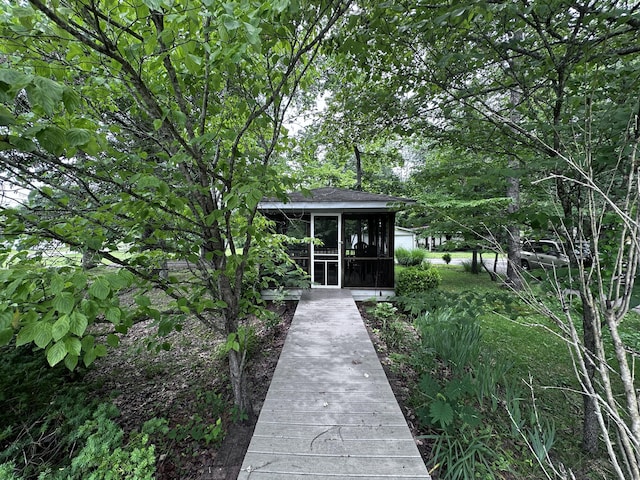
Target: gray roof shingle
<point>332,194</point>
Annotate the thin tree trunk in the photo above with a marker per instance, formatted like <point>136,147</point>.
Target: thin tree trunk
<point>492,274</point>
<point>590,425</point>
<point>238,375</point>
<point>90,259</point>
<point>514,277</point>
<point>475,269</point>
<point>356,151</point>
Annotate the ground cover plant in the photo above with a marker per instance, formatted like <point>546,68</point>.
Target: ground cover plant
<point>488,381</point>
<point>155,407</point>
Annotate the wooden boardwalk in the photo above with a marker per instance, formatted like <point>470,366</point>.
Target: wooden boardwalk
<point>330,412</point>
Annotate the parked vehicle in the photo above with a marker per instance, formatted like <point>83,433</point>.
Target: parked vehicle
<point>581,252</point>
<point>543,254</point>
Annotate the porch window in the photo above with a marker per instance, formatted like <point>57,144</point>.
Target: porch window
<point>296,226</point>
<point>368,256</point>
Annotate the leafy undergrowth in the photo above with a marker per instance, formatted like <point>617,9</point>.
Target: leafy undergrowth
<point>134,406</point>
<point>446,435</point>
<point>188,385</point>
<point>457,369</point>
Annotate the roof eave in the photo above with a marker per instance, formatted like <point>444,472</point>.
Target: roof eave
<point>320,206</point>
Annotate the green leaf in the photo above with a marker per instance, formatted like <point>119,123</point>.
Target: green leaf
<point>64,302</point>
<point>92,147</point>
<point>78,136</point>
<point>60,328</point>
<point>113,340</point>
<point>56,286</point>
<point>280,5</point>
<point>15,80</point>
<point>113,314</point>
<point>56,353</point>
<point>88,343</point>
<point>153,4</point>
<point>71,361</point>
<point>78,323</point>
<point>6,117</point>
<point>52,139</point>
<point>428,385</point>
<point>100,288</point>
<point>43,334</point>
<point>71,100</point>
<point>230,23</point>
<point>22,144</point>
<point>74,346</point>
<point>89,357</point>
<point>118,280</point>
<point>253,33</point>
<point>6,334</point>
<point>45,93</point>
<point>26,334</point>
<point>441,412</point>
<point>143,300</point>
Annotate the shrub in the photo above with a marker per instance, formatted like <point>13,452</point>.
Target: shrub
<point>105,456</point>
<point>447,258</point>
<point>53,429</point>
<point>7,471</point>
<point>394,332</point>
<point>409,258</point>
<point>416,279</point>
<point>46,403</point>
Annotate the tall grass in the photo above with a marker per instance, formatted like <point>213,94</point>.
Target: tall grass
<point>540,370</point>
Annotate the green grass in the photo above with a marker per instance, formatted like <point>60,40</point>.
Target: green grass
<point>539,359</point>
<point>455,279</point>
<point>528,342</point>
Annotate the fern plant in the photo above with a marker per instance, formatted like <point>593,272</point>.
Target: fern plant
<point>457,388</point>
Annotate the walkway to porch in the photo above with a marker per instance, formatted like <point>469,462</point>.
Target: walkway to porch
<point>330,411</point>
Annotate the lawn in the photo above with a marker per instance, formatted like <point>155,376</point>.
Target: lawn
<point>455,279</point>
<point>540,364</point>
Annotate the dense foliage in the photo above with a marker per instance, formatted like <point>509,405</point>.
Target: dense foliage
<point>62,431</point>
<point>144,132</point>
<point>416,279</point>
<point>147,132</point>
<point>409,258</point>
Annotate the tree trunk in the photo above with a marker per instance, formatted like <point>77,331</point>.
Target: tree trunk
<point>475,269</point>
<point>356,151</point>
<point>590,426</point>
<point>514,277</point>
<point>492,274</point>
<point>238,375</point>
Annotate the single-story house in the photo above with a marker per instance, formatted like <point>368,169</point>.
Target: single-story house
<point>356,238</point>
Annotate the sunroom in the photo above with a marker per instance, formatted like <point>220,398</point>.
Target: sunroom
<point>355,237</point>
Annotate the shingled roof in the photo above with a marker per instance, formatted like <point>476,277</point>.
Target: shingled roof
<point>333,198</point>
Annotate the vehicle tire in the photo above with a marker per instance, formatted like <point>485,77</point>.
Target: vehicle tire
<point>525,265</point>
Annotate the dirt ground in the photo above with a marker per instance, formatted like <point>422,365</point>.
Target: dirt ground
<point>188,385</point>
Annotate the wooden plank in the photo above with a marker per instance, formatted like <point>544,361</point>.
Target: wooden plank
<point>330,412</point>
